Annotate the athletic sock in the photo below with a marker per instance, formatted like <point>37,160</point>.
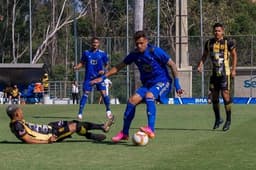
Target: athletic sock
<point>216,109</point>
<point>106,102</point>
<point>82,103</point>
<point>128,117</point>
<point>228,110</point>
<point>151,113</point>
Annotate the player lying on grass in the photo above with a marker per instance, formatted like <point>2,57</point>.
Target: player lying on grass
<point>53,132</point>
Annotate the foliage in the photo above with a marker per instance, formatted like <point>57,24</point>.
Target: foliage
<point>238,16</point>
<point>108,19</point>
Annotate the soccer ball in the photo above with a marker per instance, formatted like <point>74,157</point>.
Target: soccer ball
<point>140,138</point>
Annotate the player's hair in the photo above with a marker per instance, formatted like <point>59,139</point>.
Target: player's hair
<point>95,38</point>
<point>217,25</point>
<point>139,34</point>
<point>11,109</point>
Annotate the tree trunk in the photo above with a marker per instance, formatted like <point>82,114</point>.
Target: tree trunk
<point>138,25</point>
<point>54,38</point>
<point>13,31</point>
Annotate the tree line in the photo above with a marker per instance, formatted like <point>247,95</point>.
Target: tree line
<point>53,26</point>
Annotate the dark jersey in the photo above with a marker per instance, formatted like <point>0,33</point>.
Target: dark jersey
<point>219,51</point>
<point>40,132</point>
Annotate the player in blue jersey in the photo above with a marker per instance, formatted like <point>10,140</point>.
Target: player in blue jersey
<point>56,131</point>
<point>95,62</point>
<point>152,63</point>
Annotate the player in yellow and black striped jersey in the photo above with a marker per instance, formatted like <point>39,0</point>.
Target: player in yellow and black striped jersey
<point>52,132</point>
<point>220,50</point>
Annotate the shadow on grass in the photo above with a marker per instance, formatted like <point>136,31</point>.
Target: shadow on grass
<point>10,142</point>
<point>182,129</point>
<point>106,142</point>
<point>185,129</point>
<point>50,117</point>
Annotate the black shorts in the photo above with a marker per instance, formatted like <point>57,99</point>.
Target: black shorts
<point>219,83</point>
<point>60,129</point>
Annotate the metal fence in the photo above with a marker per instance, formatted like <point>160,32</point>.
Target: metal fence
<point>116,48</point>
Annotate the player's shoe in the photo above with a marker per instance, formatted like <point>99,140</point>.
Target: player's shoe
<point>148,131</point>
<point>109,115</point>
<point>80,116</point>
<point>97,137</point>
<point>108,124</point>
<point>120,136</point>
<point>217,124</point>
<point>226,126</point>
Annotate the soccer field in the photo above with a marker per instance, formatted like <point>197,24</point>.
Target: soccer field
<point>184,140</point>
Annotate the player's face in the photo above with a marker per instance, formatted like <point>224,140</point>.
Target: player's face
<point>19,114</point>
<point>141,44</point>
<point>95,44</point>
<point>218,32</point>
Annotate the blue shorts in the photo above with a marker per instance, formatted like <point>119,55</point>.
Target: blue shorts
<point>88,87</point>
<point>159,90</point>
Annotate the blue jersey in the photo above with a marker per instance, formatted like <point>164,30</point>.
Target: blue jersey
<point>94,61</point>
<point>151,64</point>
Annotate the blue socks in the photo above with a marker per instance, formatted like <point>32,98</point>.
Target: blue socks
<point>82,103</point>
<point>128,117</point>
<point>130,112</point>
<point>151,113</point>
<point>106,102</point>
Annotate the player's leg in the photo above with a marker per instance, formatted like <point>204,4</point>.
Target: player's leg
<point>159,90</point>
<point>62,129</point>
<point>94,136</point>
<point>215,92</point>
<point>106,101</point>
<point>227,102</point>
<point>82,129</point>
<point>216,108</point>
<point>76,97</point>
<point>129,115</point>
<point>102,88</point>
<point>73,98</point>
<point>86,90</point>
<point>151,115</point>
<point>100,99</point>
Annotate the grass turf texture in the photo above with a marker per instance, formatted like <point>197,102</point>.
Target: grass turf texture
<point>184,140</point>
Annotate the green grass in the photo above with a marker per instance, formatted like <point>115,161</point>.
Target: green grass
<point>184,140</point>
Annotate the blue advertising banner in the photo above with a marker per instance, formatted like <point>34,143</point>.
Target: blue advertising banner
<point>236,100</point>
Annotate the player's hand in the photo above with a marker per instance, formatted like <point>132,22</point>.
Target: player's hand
<point>101,72</point>
<point>180,92</point>
<point>200,66</point>
<point>95,81</point>
<point>233,73</point>
<point>200,69</point>
<point>52,139</point>
<point>75,68</point>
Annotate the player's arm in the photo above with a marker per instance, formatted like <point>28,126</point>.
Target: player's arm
<point>201,62</point>
<point>105,69</point>
<point>115,69</point>
<point>78,66</point>
<point>234,61</point>
<point>174,69</point>
<point>28,139</point>
<point>112,71</point>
